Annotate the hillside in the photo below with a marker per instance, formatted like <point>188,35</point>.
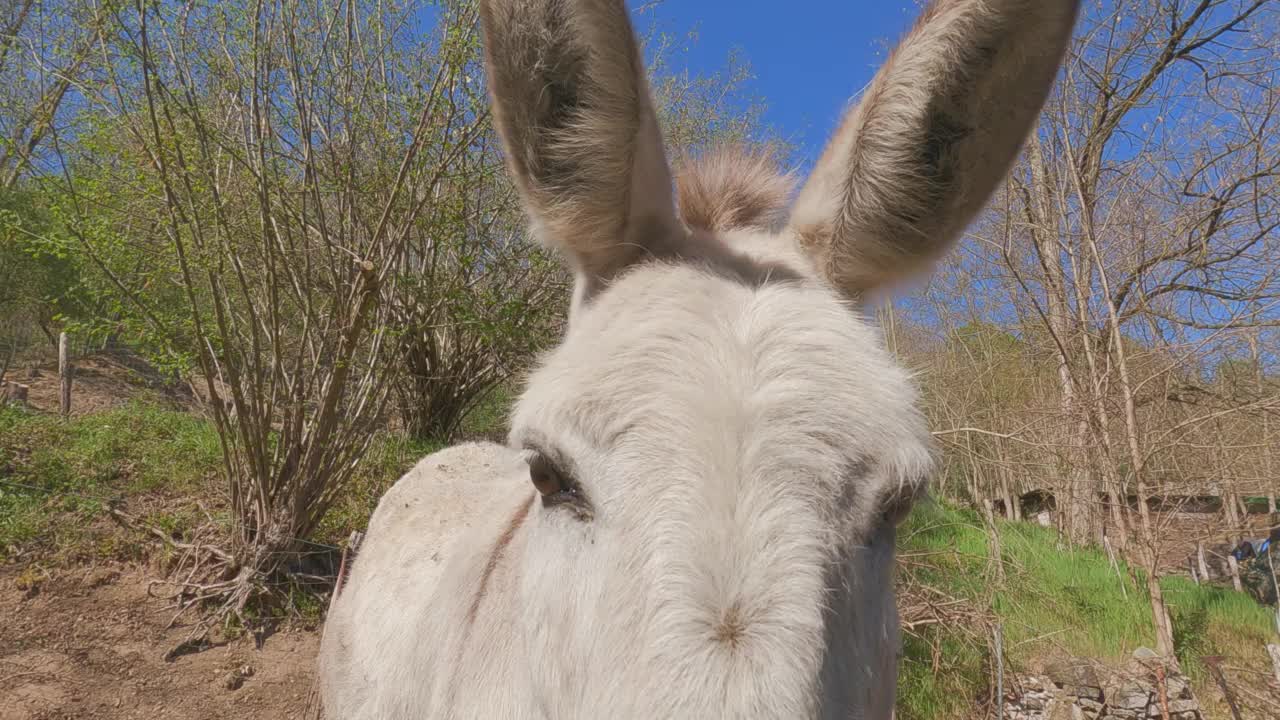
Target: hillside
<point>65,561</point>
<point>1055,603</point>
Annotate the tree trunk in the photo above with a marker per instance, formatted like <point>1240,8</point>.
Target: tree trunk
<point>1267,445</point>
<point>997,553</point>
<point>1012,500</point>
<point>1159,613</point>
<point>1076,507</point>
<point>1010,506</point>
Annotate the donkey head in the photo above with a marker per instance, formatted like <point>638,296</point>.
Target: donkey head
<point>721,447</point>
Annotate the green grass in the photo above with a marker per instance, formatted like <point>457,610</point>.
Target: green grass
<point>55,474</point>
<point>390,457</point>
<point>1053,601</point>
<point>489,416</point>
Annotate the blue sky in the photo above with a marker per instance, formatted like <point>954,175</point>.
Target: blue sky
<point>809,57</point>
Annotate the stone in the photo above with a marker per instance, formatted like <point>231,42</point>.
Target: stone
<point>1059,709</point>
<point>1073,673</point>
<point>1084,692</point>
<point>1132,698</point>
<point>1035,683</point>
<point>1091,708</point>
<point>101,576</point>
<point>1177,687</point>
<point>1127,693</point>
<point>234,679</point>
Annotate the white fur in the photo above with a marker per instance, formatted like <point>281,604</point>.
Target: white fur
<point>744,442</point>
<point>757,428</point>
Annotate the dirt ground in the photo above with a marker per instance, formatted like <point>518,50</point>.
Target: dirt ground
<point>90,643</point>
<point>101,381</point>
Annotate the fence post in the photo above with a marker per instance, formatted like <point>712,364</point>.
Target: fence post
<point>1275,583</point>
<point>64,374</point>
<point>999,642</point>
<point>1235,572</point>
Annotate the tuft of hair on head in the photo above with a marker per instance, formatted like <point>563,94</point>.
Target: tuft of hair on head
<point>733,186</point>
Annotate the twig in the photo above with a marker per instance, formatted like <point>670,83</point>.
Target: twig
<point>137,526</point>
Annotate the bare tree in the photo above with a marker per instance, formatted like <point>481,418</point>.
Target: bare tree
<point>289,150</point>
<point>1135,243</point>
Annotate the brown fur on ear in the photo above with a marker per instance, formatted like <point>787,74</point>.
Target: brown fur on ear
<point>572,105</point>
<point>935,133</point>
<point>733,186</point>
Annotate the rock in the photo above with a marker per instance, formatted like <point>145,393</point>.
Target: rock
<point>1177,687</point>
<point>1074,673</point>
<point>1145,654</point>
<point>1128,693</point>
<point>101,576</point>
<point>1132,697</point>
<point>236,678</point>
<point>1091,708</point>
<point>1060,708</point>
<point>1035,683</point>
<point>1084,692</point>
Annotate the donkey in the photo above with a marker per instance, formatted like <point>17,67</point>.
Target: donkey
<point>695,513</point>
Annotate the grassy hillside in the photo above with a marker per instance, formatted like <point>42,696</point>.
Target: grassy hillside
<point>1053,601</point>
<point>56,477</point>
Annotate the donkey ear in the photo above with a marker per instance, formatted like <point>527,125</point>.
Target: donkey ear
<point>572,105</point>
<point>935,132</point>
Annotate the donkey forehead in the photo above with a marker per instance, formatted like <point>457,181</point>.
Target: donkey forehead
<point>672,353</point>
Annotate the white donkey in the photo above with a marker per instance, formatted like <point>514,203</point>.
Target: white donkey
<point>696,514</point>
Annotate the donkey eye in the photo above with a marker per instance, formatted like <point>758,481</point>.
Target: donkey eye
<point>546,477</point>
<point>556,487</point>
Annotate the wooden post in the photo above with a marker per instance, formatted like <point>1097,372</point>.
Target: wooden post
<point>1204,566</point>
<point>1275,583</point>
<point>1274,652</point>
<point>64,374</point>
<point>1235,572</point>
<point>11,393</point>
<point>999,672</point>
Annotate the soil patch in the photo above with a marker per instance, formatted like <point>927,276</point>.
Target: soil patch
<point>91,643</point>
